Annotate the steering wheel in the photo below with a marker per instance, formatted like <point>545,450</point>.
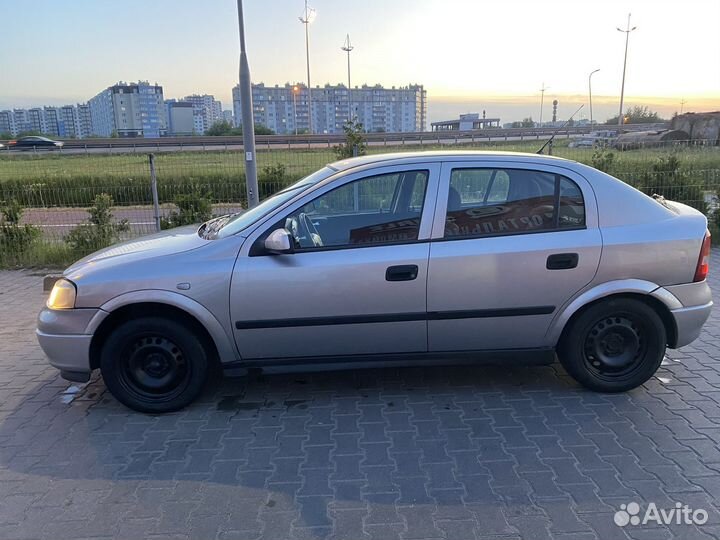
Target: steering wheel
<point>309,230</point>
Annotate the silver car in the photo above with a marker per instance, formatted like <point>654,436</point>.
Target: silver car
<point>399,259</point>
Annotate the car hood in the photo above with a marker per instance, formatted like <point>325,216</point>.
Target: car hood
<point>156,245</point>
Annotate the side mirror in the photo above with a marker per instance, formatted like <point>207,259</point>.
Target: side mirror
<point>279,241</point>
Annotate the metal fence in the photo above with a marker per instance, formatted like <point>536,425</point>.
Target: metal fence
<point>56,194</point>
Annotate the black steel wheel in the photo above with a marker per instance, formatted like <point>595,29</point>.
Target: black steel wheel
<point>614,345</point>
<point>154,364</point>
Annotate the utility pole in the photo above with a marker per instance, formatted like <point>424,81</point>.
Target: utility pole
<point>347,47</point>
<point>590,92</point>
<point>682,104</point>
<point>306,19</point>
<point>248,123</point>
<point>622,88</point>
<point>542,99</point>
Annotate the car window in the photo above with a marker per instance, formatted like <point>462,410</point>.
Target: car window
<point>380,209</point>
<point>489,202</point>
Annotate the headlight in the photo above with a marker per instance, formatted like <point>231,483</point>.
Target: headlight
<point>62,295</point>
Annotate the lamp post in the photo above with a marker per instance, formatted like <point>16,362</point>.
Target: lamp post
<point>590,92</point>
<point>248,123</point>
<point>306,19</point>
<point>295,90</point>
<point>347,47</point>
<point>542,99</point>
<point>622,88</point>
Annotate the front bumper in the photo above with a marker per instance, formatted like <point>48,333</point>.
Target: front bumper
<point>64,337</point>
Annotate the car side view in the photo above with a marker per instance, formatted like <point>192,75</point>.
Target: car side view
<point>34,142</point>
<point>395,259</point>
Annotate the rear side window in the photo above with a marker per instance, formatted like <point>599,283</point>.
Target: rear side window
<point>491,202</point>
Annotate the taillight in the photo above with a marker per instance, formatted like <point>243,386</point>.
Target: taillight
<point>703,265</point>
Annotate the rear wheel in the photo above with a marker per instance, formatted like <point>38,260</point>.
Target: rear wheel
<point>154,364</point>
<point>614,345</point>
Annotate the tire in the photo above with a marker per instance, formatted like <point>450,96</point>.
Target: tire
<point>614,345</point>
<point>154,364</point>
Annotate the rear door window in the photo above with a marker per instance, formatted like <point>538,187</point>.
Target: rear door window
<point>490,202</point>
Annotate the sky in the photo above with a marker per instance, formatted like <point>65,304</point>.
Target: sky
<point>471,55</point>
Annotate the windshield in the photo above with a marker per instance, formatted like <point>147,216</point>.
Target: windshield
<point>228,225</point>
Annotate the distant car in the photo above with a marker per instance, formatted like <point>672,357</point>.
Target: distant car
<point>33,141</point>
<point>396,259</point>
<point>582,143</point>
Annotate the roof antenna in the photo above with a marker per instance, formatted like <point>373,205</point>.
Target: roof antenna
<point>550,140</point>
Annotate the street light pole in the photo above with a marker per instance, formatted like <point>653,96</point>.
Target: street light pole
<point>542,99</point>
<point>347,47</point>
<point>622,88</point>
<point>306,19</point>
<point>248,123</point>
<point>590,92</point>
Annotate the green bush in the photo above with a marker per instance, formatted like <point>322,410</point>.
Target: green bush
<point>194,207</point>
<point>602,160</point>
<point>272,179</point>
<point>14,237</point>
<point>99,230</point>
<point>664,178</point>
<point>355,144</point>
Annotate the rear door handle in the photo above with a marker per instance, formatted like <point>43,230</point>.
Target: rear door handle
<point>562,261</point>
<point>403,272</point>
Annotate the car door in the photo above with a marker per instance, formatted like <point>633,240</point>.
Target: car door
<point>356,283</point>
<point>511,243</point>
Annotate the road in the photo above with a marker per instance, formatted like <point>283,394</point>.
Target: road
<point>269,142</point>
<point>504,453</point>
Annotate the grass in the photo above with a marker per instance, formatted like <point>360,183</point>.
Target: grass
<point>57,180</point>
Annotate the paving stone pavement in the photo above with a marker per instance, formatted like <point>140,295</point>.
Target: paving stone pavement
<point>457,453</point>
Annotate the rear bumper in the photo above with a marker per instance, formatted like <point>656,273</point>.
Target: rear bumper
<point>689,322</point>
<point>692,310</point>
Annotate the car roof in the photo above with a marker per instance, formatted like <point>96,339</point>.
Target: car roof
<point>446,155</point>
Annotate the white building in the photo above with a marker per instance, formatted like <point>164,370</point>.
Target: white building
<point>207,111</point>
<point>68,121</point>
<point>129,110</point>
<point>284,110</point>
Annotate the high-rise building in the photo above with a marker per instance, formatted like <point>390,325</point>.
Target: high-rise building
<point>129,110</point>
<point>68,121</point>
<point>180,117</point>
<point>228,117</point>
<point>207,111</point>
<point>379,109</point>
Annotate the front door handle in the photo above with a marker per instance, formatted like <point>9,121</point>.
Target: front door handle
<point>562,261</point>
<point>404,272</point>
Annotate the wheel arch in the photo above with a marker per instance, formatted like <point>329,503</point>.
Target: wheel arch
<point>161,304</point>
<point>657,298</point>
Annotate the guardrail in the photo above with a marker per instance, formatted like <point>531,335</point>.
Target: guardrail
<point>268,141</point>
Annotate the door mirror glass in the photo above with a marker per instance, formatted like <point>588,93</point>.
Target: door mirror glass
<point>279,241</point>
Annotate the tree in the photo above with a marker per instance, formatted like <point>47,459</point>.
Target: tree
<point>526,123</point>
<point>219,129</point>
<point>224,128</point>
<point>355,144</point>
<point>100,230</point>
<point>637,115</point>
<point>5,136</point>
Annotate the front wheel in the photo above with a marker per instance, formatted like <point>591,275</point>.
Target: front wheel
<point>614,345</point>
<point>154,364</point>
